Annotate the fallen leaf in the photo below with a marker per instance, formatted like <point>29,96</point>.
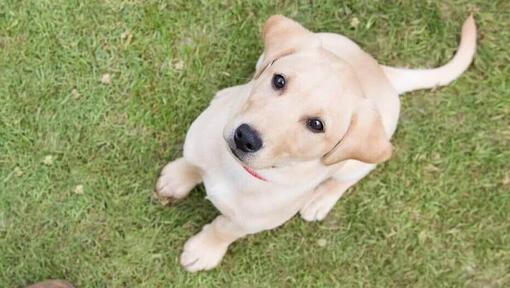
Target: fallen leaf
<point>506,180</point>
<point>423,236</point>
<point>78,189</point>
<point>75,93</point>
<point>322,242</point>
<point>354,22</point>
<point>106,79</point>
<point>162,200</point>
<point>179,65</point>
<point>18,172</point>
<point>126,36</point>
<point>432,168</point>
<point>48,160</point>
<point>470,269</point>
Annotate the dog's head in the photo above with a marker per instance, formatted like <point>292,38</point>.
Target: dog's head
<point>306,104</point>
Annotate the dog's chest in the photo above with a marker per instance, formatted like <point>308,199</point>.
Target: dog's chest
<point>248,202</point>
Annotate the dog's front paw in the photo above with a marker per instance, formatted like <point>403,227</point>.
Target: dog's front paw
<point>318,207</point>
<point>202,252</point>
<point>323,199</point>
<point>176,181</point>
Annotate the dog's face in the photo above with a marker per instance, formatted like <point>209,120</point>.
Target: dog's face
<point>306,104</point>
<point>297,111</point>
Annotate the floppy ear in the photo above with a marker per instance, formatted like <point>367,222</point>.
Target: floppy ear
<point>283,36</point>
<point>365,139</point>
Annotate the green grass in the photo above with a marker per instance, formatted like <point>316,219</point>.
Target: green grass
<point>436,215</point>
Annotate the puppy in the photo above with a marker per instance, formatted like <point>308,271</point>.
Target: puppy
<point>315,119</point>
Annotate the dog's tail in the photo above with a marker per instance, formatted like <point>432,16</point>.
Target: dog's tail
<point>405,80</point>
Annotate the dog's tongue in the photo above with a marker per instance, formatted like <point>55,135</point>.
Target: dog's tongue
<point>253,173</point>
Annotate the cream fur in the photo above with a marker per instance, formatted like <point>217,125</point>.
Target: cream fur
<point>302,180</point>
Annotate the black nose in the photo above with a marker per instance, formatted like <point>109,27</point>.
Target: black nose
<point>247,139</point>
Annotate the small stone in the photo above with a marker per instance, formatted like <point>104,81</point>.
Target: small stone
<point>354,22</point>
<point>18,172</point>
<point>78,189</point>
<point>48,160</point>
<point>322,242</point>
<point>106,79</point>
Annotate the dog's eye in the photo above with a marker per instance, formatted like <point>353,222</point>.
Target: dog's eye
<point>278,81</point>
<point>315,125</point>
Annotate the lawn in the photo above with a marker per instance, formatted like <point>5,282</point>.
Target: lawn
<point>96,96</point>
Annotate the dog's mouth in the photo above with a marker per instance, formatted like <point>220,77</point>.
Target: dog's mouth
<point>253,173</point>
<point>246,168</point>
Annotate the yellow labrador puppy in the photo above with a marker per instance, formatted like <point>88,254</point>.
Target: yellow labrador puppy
<point>315,119</point>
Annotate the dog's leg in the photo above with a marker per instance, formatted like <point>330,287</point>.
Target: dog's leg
<point>206,249</point>
<point>324,198</point>
<point>177,179</point>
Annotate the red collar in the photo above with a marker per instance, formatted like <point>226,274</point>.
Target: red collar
<point>253,173</point>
